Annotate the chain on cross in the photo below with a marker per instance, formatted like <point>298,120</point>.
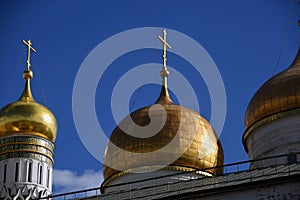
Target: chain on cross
<point>30,48</point>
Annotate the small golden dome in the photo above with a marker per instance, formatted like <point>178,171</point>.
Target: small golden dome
<point>27,116</point>
<point>202,151</point>
<point>280,93</point>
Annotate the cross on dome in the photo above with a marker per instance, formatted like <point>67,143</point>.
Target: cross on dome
<point>30,48</point>
<point>164,73</point>
<point>27,74</point>
<point>164,41</point>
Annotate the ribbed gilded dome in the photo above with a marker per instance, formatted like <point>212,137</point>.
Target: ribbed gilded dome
<point>280,93</point>
<point>26,116</point>
<point>184,130</point>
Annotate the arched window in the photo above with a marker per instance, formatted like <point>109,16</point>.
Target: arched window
<point>17,172</point>
<point>29,173</point>
<point>48,177</point>
<point>4,173</point>
<point>40,174</point>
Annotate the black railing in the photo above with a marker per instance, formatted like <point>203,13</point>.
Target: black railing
<point>274,162</point>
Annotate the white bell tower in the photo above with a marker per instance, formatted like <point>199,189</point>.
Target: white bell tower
<point>27,132</point>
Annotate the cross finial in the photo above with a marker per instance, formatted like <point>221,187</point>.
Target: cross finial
<point>164,41</point>
<point>30,48</point>
<point>164,73</point>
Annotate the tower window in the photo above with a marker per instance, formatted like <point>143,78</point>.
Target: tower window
<point>4,173</point>
<point>17,173</point>
<point>41,173</point>
<point>48,177</point>
<point>29,178</point>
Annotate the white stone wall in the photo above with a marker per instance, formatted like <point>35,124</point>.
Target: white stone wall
<point>41,184</point>
<point>281,136</point>
<point>152,180</point>
<point>286,191</point>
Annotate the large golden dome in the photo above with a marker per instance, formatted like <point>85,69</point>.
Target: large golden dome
<point>26,116</point>
<point>183,131</point>
<point>162,136</point>
<point>280,93</point>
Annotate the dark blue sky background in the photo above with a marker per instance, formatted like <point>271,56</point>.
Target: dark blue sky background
<point>244,38</point>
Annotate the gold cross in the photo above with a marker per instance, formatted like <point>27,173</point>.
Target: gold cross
<point>164,41</point>
<point>28,44</point>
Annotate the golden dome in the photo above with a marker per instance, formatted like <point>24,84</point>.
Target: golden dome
<point>182,139</point>
<point>26,116</point>
<point>280,93</point>
<point>193,135</point>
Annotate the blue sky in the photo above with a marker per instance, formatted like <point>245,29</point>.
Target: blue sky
<point>244,38</point>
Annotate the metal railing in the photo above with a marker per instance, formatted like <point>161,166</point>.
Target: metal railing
<point>234,173</point>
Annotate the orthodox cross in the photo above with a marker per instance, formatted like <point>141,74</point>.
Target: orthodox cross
<point>164,41</point>
<point>30,48</point>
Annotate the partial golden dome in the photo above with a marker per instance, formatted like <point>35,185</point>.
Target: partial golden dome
<point>27,116</point>
<point>183,131</point>
<point>280,93</point>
